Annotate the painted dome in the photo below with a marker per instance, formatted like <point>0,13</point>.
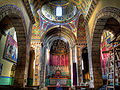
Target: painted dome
<point>59,11</point>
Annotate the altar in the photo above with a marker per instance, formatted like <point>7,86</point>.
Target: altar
<point>61,81</point>
<point>58,84</point>
<point>52,87</point>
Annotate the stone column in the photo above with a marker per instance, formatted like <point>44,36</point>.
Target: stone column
<point>42,72</point>
<point>74,60</point>
<point>89,45</point>
<point>39,64</point>
<point>46,62</point>
<point>71,63</point>
<point>35,64</point>
<point>79,63</point>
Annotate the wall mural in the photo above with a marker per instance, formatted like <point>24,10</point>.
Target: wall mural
<point>105,46</point>
<point>10,51</point>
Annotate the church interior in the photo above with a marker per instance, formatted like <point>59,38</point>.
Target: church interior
<point>60,44</point>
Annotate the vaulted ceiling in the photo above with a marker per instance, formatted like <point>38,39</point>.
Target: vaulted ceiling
<point>42,24</point>
<point>83,5</point>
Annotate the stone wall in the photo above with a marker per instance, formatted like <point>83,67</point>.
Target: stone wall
<point>16,11</point>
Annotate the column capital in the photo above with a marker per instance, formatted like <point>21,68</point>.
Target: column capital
<point>73,45</point>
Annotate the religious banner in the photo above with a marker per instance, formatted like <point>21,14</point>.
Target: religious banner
<point>59,60</point>
<point>10,51</point>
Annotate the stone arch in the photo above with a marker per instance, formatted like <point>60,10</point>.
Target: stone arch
<point>18,22</point>
<point>63,31</point>
<point>50,36</point>
<point>99,25</point>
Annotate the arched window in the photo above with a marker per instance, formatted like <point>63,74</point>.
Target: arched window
<point>58,11</point>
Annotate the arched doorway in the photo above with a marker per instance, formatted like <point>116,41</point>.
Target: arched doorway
<point>106,38</point>
<point>104,21</point>
<point>58,65</point>
<point>12,17</point>
<point>51,39</point>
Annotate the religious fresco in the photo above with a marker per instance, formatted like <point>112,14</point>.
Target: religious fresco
<point>105,46</point>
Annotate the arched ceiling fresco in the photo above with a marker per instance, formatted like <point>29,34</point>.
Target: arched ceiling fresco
<point>43,24</point>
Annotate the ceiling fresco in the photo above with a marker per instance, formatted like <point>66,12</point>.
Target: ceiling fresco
<point>83,5</point>
<point>59,12</point>
<point>43,24</point>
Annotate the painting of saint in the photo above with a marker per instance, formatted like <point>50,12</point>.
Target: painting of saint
<point>10,51</point>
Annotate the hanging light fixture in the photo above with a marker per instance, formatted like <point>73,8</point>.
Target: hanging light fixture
<point>60,31</point>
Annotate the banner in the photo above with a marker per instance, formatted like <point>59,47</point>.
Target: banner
<point>59,60</point>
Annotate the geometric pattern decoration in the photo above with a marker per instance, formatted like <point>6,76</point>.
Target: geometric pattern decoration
<point>83,5</point>
<point>81,31</point>
<point>34,7</point>
<point>36,31</point>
